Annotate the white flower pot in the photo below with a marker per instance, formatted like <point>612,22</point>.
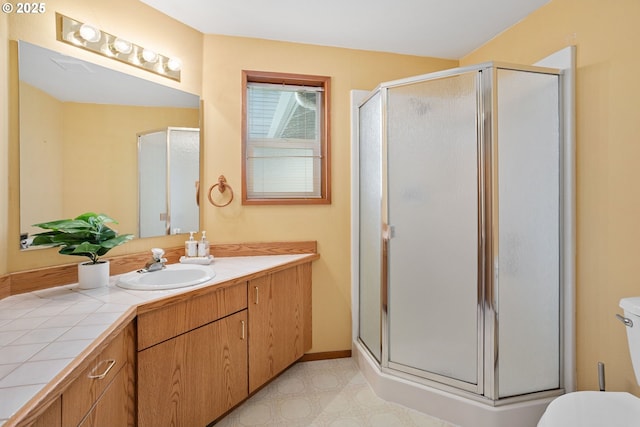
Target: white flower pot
<point>92,276</point>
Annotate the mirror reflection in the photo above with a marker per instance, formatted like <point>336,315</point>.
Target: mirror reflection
<point>80,125</point>
<point>168,181</point>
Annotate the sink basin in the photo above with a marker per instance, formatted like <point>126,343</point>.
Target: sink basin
<point>171,277</point>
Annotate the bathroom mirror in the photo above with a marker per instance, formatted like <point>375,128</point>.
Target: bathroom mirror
<point>79,128</point>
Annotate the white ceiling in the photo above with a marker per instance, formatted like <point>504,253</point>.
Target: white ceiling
<point>440,28</point>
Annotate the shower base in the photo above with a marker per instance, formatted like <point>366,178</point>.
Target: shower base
<point>459,410</point>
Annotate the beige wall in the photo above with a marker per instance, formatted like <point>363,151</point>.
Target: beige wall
<point>41,157</point>
<point>224,58</point>
<point>608,176</point>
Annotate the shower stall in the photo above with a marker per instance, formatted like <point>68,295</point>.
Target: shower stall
<point>460,225</point>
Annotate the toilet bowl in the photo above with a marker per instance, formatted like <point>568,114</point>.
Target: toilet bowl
<point>592,409</point>
<point>602,409</point>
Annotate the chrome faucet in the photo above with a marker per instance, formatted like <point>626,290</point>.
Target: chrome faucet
<point>157,262</point>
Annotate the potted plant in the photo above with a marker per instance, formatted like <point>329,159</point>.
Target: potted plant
<point>86,235</point>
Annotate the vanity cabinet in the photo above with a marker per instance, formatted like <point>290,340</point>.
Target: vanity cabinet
<point>192,359</point>
<point>104,393</point>
<point>202,355</point>
<point>188,357</point>
<point>279,322</point>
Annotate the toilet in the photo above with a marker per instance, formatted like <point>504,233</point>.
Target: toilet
<point>596,408</point>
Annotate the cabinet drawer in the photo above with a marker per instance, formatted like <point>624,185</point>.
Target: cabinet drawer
<point>167,322</point>
<point>111,409</point>
<point>84,391</point>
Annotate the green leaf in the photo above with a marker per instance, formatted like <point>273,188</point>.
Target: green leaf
<point>64,224</point>
<point>112,243</point>
<point>43,239</point>
<point>86,247</point>
<point>96,219</point>
<point>86,235</point>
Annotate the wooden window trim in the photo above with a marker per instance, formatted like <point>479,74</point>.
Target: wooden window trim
<point>325,145</point>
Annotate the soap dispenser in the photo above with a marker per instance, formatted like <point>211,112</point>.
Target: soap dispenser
<point>191,246</point>
<point>203,246</point>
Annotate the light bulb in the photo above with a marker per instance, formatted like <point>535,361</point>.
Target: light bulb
<point>122,46</point>
<point>174,64</point>
<point>89,33</point>
<point>149,56</point>
<point>74,38</point>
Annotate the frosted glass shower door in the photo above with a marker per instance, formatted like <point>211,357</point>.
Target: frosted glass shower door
<point>434,323</point>
<point>528,279</point>
<point>370,268</point>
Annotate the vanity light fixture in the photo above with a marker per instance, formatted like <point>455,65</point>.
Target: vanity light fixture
<point>91,38</point>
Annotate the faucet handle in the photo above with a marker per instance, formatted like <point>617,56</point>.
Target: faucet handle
<point>158,253</point>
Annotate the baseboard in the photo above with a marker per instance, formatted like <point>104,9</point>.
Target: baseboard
<point>325,355</point>
<point>444,405</point>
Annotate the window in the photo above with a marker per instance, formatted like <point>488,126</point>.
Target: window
<point>285,138</point>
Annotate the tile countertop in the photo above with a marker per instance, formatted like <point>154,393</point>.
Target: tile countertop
<point>41,332</point>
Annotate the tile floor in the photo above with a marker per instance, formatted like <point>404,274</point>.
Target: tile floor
<point>327,393</point>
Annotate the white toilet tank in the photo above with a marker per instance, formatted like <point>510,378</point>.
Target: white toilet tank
<point>631,307</point>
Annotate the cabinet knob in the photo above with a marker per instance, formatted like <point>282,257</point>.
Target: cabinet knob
<point>256,298</point>
<point>242,324</point>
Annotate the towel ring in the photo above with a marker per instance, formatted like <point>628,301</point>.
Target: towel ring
<point>222,186</point>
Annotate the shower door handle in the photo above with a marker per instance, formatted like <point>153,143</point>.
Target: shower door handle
<point>387,234</point>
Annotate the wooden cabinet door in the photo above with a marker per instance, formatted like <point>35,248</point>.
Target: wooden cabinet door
<point>194,378</point>
<point>276,324</point>
<point>111,409</point>
<point>51,417</point>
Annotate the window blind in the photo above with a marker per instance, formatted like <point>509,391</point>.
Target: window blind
<point>283,146</point>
